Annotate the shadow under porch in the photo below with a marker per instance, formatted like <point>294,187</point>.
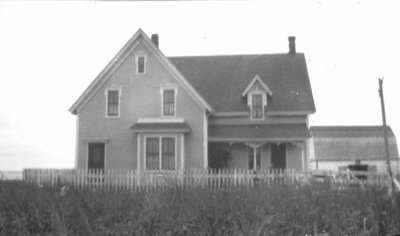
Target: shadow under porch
<point>259,146</point>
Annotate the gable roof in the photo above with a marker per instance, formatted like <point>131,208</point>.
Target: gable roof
<point>222,80</point>
<point>119,58</point>
<point>349,143</point>
<point>255,80</point>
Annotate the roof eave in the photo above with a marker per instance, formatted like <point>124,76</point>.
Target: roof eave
<point>290,113</point>
<point>77,104</point>
<point>72,110</point>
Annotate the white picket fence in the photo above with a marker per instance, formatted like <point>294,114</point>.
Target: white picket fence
<point>223,178</point>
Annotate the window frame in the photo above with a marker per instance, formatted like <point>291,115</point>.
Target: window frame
<point>162,90</point>
<point>107,102</point>
<point>137,60</point>
<point>157,157</point>
<point>160,153</point>
<point>168,153</point>
<point>94,141</point>
<point>262,95</point>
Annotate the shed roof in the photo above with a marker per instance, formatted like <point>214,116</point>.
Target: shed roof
<point>259,132</point>
<point>221,80</point>
<point>349,143</point>
<point>160,127</point>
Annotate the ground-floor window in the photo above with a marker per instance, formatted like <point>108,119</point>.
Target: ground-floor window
<point>160,153</point>
<point>254,158</point>
<point>96,156</point>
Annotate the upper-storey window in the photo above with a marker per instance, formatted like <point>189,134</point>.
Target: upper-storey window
<point>257,110</point>
<point>168,102</point>
<point>257,92</point>
<point>141,65</point>
<point>113,103</point>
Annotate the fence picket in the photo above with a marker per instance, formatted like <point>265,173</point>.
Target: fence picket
<point>134,180</point>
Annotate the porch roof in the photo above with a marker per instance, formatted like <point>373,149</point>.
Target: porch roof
<point>152,127</point>
<point>259,132</point>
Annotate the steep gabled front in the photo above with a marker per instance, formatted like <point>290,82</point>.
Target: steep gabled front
<point>141,113</point>
<point>120,57</point>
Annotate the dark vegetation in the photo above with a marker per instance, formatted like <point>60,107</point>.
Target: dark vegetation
<point>275,210</point>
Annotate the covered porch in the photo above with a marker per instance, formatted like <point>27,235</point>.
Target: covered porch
<point>261,146</point>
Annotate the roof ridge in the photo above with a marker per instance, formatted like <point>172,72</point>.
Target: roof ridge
<point>233,55</point>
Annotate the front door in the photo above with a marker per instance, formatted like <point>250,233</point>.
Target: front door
<point>278,156</point>
<point>96,156</point>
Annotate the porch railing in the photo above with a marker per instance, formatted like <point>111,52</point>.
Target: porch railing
<point>223,178</point>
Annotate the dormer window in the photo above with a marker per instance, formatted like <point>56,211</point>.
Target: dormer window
<point>257,108</point>
<point>141,65</point>
<point>257,92</point>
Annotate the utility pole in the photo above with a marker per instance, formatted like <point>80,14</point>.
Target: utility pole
<point>385,133</point>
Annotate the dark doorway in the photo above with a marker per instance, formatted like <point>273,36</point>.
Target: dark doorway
<point>278,156</point>
<point>96,156</point>
<point>218,155</point>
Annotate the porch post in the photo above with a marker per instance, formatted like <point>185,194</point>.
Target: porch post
<point>138,154</point>
<point>254,158</point>
<point>303,161</point>
<point>138,169</point>
<point>182,153</point>
<point>254,146</point>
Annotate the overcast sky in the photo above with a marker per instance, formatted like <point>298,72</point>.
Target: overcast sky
<point>51,51</point>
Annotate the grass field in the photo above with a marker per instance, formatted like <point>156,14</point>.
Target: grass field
<point>276,210</point>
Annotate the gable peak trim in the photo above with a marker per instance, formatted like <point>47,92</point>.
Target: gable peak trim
<point>259,80</point>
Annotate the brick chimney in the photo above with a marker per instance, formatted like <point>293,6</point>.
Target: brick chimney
<point>154,38</point>
<point>292,45</point>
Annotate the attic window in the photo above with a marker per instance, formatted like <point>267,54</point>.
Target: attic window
<point>141,65</point>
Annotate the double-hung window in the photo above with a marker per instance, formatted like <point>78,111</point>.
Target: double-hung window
<point>168,154</point>
<point>257,107</point>
<point>113,103</point>
<point>168,102</point>
<point>152,153</point>
<point>160,153</point>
